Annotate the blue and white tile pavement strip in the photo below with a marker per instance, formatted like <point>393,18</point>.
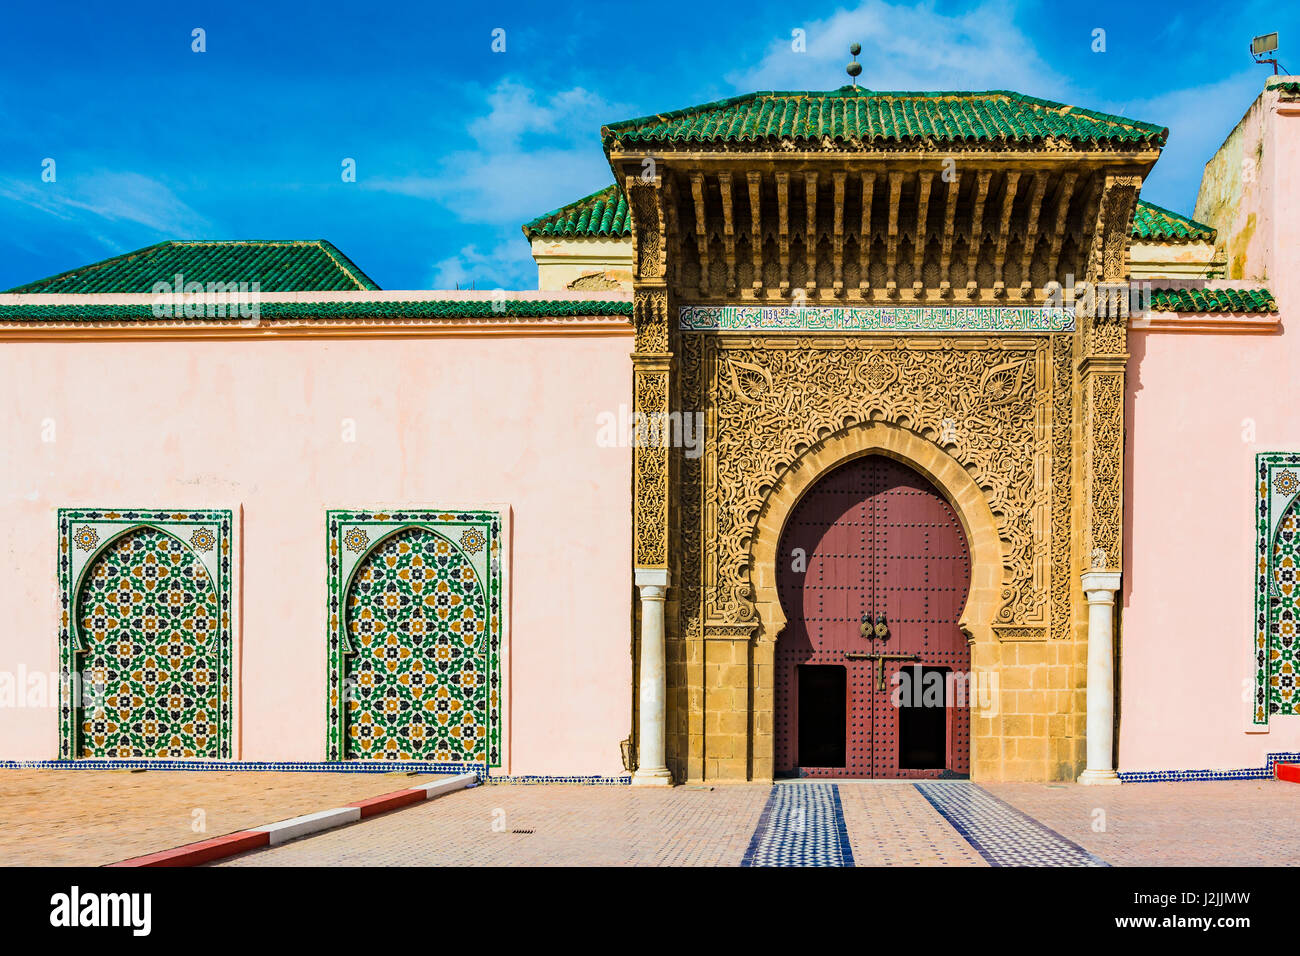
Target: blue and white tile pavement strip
<point>802,825</point>
<point>1002,834</point>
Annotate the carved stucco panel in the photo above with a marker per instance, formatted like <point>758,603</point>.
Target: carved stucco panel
<point>650,466</point>
<point>1000,406</point>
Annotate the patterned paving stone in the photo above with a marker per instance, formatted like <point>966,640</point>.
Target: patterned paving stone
<point>1002,834</point>
<point>891,824</point>
<point>1203,823</point>
<point>885,824</point>
<point>802,825</point>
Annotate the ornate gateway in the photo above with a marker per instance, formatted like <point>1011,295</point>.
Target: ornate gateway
<point>823,280</point>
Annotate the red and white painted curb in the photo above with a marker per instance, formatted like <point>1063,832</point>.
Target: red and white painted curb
<point>192,854</point>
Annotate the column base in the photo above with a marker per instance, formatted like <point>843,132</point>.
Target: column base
<point>652,778</point>
<point>1099,778</point>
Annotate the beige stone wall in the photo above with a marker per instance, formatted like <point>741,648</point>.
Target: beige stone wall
<point>583,264</point>
<point>1173,260</point>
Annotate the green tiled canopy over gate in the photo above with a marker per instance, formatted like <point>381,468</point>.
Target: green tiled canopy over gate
<point>869,118</point>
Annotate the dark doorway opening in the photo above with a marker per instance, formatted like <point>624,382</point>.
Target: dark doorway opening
<point>923,719</point>
<point>823,715</point>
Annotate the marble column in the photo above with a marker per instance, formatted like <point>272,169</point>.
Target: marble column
<point>652,767</point>
<point>1099,587</point>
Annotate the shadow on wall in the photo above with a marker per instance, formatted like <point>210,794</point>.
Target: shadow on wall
<point>1137,350</point>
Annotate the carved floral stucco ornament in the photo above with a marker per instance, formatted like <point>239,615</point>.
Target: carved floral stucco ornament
<point>768,399</point>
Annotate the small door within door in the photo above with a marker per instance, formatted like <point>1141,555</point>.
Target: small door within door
<point>923,718</point>
<point>823,715</point>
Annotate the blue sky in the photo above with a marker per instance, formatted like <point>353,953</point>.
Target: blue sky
<point>456,145</point>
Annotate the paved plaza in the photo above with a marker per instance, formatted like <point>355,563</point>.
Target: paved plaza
<point>94,817</point>
<point>104,817</point>
<point>942,823</point>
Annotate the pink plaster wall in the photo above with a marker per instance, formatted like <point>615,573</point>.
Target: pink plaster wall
<point>1200,407</point>
<point>445,422</point>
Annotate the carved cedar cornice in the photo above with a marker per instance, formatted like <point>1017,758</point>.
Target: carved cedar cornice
<point>755,182</point>
<point>1031,233</point>
<point>810,230</point>
<point>1064,194</point>
<point>728,230</point>
<point>1004,226</point>
<point>924,181</point>
<point>949,232</point>
<point>891,243</point>
<point>864,239</point>
<point>983,178</point>
<point>837,226</point>
<point>794,232</point>
<point>649,233</point>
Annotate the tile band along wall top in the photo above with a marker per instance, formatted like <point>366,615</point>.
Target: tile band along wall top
<point>758,318</point>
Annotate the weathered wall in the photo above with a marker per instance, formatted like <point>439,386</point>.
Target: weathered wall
<point>593,264</point>
<point>1183,260</point>
<point>258,425</point>
<point>1246,186</point>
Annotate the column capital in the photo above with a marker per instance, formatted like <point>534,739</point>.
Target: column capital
<point>650,578</point>
<point>1100,580</point>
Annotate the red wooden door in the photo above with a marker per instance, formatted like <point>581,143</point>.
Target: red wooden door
<point>872,539</point>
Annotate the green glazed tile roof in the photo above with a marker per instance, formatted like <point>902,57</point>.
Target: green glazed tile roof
<point>856,115</point>
<point>279,265</point>
<point>603,213</point>
<point>1212,300</point>
<point>271,311</point>
<point>1156,222</point>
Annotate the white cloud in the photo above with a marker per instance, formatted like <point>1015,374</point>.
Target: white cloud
<point>515,111</point>
<point>508,266</point>
<point>1199,120</point>
<point>531,153</point>
<point>910,48</point>
<point>112,196</point>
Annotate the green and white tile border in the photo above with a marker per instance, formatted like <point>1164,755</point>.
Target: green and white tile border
<point>1277,489</point>
<point>491,564</point>
<point>921,318</point>
<point>106,525</point>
